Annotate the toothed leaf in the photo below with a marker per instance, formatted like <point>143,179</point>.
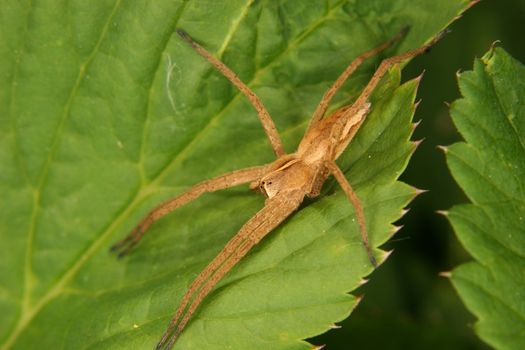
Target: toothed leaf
<point>104,112</point>
<point>490,167</point>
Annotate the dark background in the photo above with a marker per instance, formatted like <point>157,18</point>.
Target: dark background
<point>407,305</point>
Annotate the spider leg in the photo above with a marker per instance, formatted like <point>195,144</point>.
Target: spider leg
<point>389,62</point>
<point>264,116</point>
<point>329,94</point>
<point>351,118</point>
<point>231,179</point>
<point>354,199</point>
<point>275,211</point>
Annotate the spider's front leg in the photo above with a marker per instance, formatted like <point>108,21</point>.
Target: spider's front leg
<point>347,121</point>
<point>350,69</point>
<point>228,180</point>
<point>275,211</point>
<point>265,118</point>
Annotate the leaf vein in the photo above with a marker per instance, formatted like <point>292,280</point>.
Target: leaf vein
<point>503,111</point>
<point>487,235</point>
<point>27,312</point>
<point>489,181</point>
<point>200,134</point>
<point>494,296</point>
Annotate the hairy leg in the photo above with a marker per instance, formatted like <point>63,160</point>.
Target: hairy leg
<point>234,178</point>
<point>356,203</point>
<point>389,62</point>
<point>275,211</point>
<point>329,94</point>
<point>355,115</point>
<point>264,116</point>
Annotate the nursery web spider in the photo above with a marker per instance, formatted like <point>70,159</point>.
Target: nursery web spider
<point>284,182</point>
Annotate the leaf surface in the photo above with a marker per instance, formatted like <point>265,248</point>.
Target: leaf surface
<point>105,112</point>
<point>490,167</point>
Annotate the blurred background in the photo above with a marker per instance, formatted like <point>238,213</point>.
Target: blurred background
<point>407,299</point>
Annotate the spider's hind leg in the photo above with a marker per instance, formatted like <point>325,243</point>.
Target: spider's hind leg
<point>275,211</point>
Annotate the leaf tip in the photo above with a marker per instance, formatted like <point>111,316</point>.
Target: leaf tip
<point>416,105</point>
<point>363,281</point>
<point>415,125</point>
<point>419,77</point>
<point>442,212</point>
<point>415,145</point>
<point>396,229</point>
<point>442,148</point>
<point>446,274</point>
<point>386,255</point>
<point>419,191</point>
<point>418,142</point>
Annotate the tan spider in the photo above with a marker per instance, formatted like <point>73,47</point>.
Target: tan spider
<point>284,182</point>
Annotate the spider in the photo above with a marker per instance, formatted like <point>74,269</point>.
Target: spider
<point>284,182</point>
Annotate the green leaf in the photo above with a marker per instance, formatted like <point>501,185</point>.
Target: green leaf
<point>105,112</point>
<point>490,167</point>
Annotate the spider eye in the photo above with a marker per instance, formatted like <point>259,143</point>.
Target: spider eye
<point>262,183</point>
<point>269,183</point>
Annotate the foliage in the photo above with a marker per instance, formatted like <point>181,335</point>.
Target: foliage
<point>490,167</point>
<point>104,112</point>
